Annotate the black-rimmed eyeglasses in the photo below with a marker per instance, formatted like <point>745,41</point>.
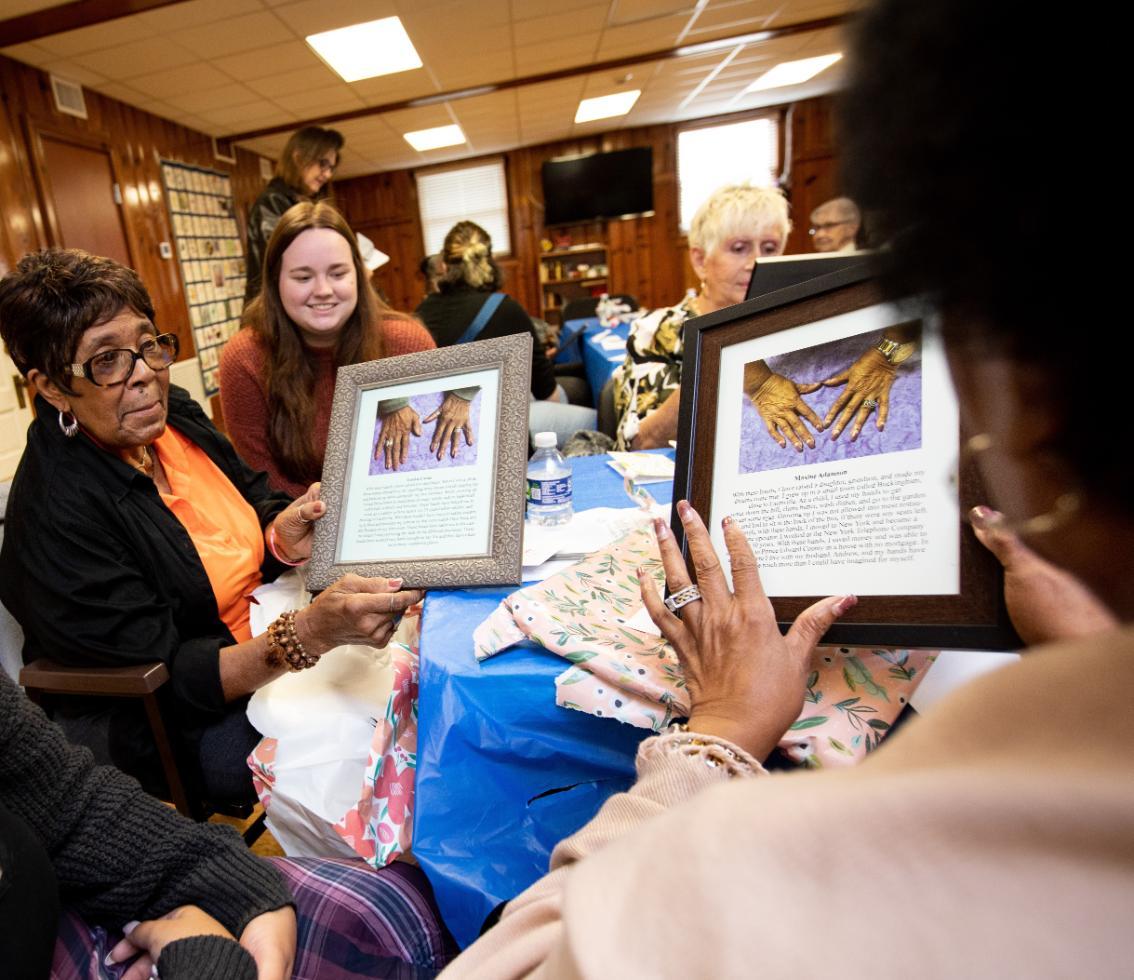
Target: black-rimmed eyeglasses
<point>112,367</point>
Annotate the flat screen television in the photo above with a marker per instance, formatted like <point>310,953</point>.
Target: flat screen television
<point>602,185</point>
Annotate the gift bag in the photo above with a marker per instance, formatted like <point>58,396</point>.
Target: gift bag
<point>335,769</point>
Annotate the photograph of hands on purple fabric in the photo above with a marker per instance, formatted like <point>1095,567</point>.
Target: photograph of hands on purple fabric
<point>437,430</point>
<point>849,402</point>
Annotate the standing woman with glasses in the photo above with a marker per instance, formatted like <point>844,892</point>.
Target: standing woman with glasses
<point>303,173</point>
<point>134,533</point>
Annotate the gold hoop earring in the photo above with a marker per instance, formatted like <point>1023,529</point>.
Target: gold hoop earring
<point>1065,507</point>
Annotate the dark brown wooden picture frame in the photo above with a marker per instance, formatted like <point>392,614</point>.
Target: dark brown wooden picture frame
<point>976,618</point>
<point>510,356</point>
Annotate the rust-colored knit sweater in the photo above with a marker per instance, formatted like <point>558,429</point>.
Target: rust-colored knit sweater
<point>245,400</point>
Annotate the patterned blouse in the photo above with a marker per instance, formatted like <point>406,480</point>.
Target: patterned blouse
<point>652,369</point>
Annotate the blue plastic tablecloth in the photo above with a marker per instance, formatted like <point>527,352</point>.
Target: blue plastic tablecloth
<point>598,362</point>
<point>503,774</point>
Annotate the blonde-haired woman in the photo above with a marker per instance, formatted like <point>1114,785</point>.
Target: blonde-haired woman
<point>303,173</point>
<point>472,306</point>
<point>736,226</point>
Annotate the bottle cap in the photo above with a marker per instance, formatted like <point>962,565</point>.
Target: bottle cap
<point>545,440</point>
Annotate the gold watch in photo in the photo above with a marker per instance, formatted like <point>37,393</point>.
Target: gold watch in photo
<point>894,352</point>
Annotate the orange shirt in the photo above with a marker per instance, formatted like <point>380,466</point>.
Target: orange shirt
<point>221,523</point>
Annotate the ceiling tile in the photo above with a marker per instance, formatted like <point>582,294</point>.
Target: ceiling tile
<point>124,93</point>
<point>97,36</point>
<point>272,60</point>
<point>235,34</point>
<point>258,113</point>
<point>136,58</point>
<point>320,101</point>
<point>569,22</point>
<point>163,84</point>
<point>29,54</point>
<point>285,83</point>
<point>529,9</point>
<point>195,13</point>
<point>74,73</point>
<point>635,11</point>
<point>552,56</point>
<point>314,16</point>
<point>198,100</point>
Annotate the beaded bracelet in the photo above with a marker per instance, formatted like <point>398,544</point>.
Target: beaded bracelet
<point>275,553</point>
<point>284,646</point>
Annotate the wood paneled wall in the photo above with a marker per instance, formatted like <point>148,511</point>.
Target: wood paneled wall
<point>647,256</point>
<point>137,141</point>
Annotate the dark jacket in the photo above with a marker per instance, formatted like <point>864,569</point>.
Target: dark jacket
<point>89,836</point>
<point>97,570</point>
<point>448,315</point>
<point>263,217</point>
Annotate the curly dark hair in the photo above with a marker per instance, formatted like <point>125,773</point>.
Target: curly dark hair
<point>947,142</point>
<point>53,297</point>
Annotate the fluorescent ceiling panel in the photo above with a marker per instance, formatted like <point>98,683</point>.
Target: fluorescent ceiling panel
<point>605,106</point>
<point>793,72</point>
<point>435,138</point>
<point>377,47</point>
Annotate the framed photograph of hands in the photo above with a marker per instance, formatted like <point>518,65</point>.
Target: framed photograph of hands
<point>423,476</point>
<point>822,419</point>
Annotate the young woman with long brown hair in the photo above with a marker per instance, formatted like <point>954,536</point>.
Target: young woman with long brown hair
<point>317,312</point>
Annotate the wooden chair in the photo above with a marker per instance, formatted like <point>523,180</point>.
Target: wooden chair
<point>44,676</point>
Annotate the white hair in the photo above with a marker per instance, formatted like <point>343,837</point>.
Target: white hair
<point>738,209</point>
<point>843,206</point>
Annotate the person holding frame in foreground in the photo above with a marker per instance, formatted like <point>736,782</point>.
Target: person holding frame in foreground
<point>1003,816</point>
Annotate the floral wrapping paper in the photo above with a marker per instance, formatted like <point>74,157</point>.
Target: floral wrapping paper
<point>853,695</point>
<point>378,828</point>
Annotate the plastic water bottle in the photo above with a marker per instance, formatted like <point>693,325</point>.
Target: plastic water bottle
<point>549,483</point>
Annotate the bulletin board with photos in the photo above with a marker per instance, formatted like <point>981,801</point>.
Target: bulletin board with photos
<point>210,252</point>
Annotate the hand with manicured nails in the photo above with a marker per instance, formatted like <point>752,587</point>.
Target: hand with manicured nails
<point>354,610</point>
<point>394,438</point>
<point>1044,602</point>
<point>452,417</point>
<point>295,525</point>
<point>745,680</point>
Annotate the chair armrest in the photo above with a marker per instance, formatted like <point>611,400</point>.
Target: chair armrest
<point>53,678</point>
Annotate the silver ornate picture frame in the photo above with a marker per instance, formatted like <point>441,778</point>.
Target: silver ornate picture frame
<point>423,476</point>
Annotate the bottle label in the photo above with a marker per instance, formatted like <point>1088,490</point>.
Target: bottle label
<point>549,493</point>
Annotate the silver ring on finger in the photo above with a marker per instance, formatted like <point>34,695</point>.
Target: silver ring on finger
<point>869,403</point>
<point>682,597</point>
<point>299,514</point>
<point>389,443</point>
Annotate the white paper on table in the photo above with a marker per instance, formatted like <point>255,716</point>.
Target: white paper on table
<point>538,573</point>
<point>586,532</point>
<point>642,467</point>
<point>613,342</point>
<point>601,335</point>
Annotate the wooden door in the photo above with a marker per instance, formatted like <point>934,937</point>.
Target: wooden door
<point>80,196</point>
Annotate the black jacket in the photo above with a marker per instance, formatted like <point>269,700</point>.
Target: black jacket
<point>97,570</point>
<point>448,315</point>
<point>263,217</point>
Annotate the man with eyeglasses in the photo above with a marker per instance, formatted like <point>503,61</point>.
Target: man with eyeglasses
<point>834,225</point>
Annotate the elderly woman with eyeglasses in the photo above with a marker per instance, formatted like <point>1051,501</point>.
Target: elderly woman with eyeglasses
<point>135,533</point>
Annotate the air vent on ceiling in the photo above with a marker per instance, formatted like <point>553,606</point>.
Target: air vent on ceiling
<point>69,97</point>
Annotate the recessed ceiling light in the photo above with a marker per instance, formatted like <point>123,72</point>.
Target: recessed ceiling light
<point>793,72</point>
<point>378,47</point>
<point>606,106</point>
<point>432,139</point>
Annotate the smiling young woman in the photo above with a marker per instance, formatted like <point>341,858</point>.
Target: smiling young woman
<point>317,312</point>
